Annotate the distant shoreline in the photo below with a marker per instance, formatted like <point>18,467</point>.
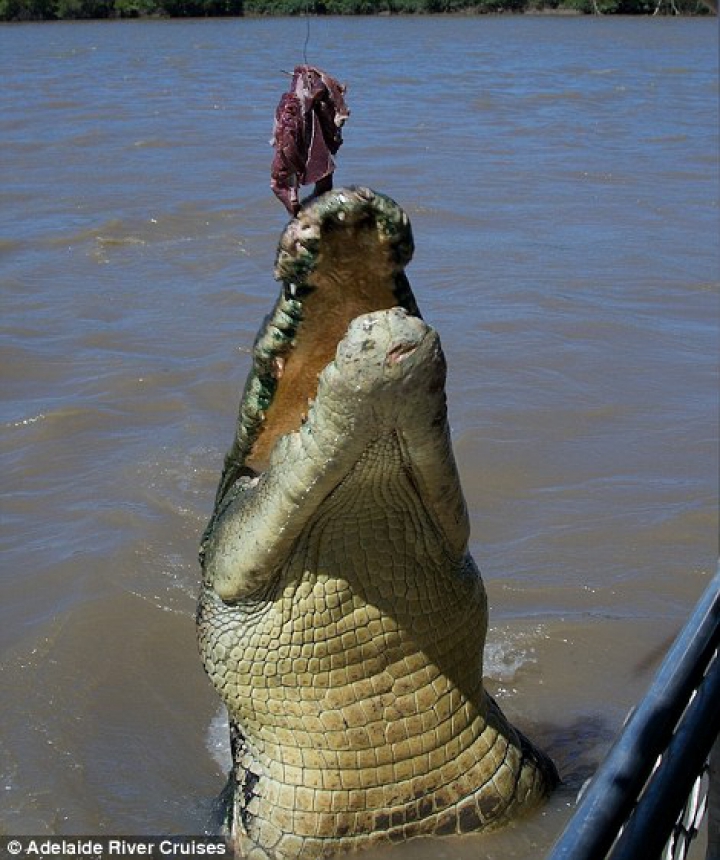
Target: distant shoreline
<point>11,11</point>
<point>68,10</point>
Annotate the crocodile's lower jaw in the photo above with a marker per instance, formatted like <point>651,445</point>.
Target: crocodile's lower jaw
<point>343,621</point>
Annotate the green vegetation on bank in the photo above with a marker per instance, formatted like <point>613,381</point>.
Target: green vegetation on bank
<point>35,10</point>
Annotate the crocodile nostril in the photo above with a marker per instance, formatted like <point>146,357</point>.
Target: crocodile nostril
<point>400,351</point>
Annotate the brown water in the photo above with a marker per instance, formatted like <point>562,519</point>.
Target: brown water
<point>562,179</point>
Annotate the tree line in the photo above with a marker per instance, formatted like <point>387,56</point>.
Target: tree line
<point>35,10</point>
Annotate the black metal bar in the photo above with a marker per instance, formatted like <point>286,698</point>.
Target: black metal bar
<point>611,796</point>
<point>713,801</point>
<point>651,823</point>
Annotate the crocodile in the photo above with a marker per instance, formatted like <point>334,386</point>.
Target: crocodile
<point>341,618</point>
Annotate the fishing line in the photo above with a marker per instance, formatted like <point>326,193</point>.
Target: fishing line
<point>307,31</point>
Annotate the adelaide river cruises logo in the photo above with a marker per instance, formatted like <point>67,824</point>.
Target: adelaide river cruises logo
<point>100,848</point>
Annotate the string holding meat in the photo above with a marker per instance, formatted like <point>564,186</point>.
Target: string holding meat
<point>306,134</point>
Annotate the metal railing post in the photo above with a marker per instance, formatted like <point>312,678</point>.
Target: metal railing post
<point>614,790</point>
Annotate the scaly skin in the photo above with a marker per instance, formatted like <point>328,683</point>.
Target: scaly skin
<point>342,619</point>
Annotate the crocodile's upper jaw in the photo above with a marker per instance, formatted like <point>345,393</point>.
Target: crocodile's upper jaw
<point>386,383</point>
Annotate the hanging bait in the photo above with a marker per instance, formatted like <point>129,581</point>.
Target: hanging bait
<point>307,133</point>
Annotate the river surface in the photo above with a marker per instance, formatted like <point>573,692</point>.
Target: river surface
<point>562,180</point>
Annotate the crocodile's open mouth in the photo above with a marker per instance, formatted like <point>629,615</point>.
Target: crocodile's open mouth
<point>343,256</point>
